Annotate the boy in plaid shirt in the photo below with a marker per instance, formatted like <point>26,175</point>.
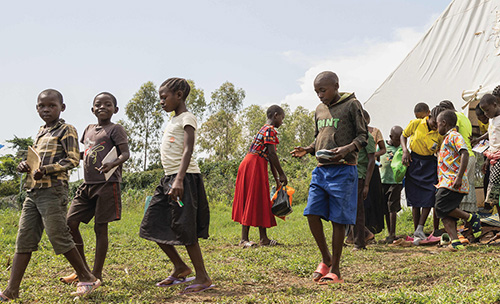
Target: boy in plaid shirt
<point>47,197</point>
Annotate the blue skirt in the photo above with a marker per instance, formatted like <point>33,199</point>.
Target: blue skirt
<point>421,178</point>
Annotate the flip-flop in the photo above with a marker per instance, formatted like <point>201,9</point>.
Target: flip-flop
<point>192,288</point>
<point>247,244</point>
<point>71,279</point>
<point>330,278</point>
<point>84,288</point>
<point>175,281</point>
<point>271,243</point>
<point>4,298</point>
<point>322,269</point>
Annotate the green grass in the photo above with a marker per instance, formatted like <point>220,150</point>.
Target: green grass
<point>281,274</point>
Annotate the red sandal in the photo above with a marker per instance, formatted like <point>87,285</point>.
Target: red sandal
<point>322,269</point>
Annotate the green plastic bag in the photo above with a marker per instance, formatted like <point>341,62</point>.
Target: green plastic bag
<point>397,166</point>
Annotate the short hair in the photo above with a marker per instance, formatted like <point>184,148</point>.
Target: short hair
<point>496,91</point>
<point>175,84</point>
<point>436,111</point>
<point>449,116</point>
<point>273,109</point>
<point>52,92</point>
<point>447,105</point>
<point>421,107</point>
<point>488,99</point>
<point>113,98</point>
<point>327,75</point>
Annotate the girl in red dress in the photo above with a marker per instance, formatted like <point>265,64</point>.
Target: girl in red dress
<point>252,203</point>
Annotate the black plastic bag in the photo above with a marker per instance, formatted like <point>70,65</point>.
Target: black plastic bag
<point>281,206</point>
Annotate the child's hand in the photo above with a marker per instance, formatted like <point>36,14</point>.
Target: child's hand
<point>298,152</point>
<point>457,183</point>
<point>177,190</point>
<point>340,153</point>
<point>39,173</point>
<point>283,180</point>
<point>23,167</point>
<point>105,167</point>
<point>406,158</point>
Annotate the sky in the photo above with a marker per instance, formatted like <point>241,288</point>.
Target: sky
<point>271,49</point>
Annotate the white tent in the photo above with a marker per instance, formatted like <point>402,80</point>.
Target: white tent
<point>460,52</point>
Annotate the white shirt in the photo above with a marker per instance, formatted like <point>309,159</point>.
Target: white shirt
<point>172,144</point>
<point>494,134</point>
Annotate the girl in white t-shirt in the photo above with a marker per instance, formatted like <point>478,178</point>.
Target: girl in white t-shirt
<point>178,213</point>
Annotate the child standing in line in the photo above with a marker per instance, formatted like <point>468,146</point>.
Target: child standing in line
<point>483,122</point>
<point>365,168</point>
<point>491,109</point>
<point>340,129</point>
<point>390,188</point>
<point>47,196</point>
<point>252,205</point>
<point>178,213</point>
<point>374,208</point>
<point>98,196</point>
<point>464,127</point>
<point>421,175</point>
<point>453,184</point>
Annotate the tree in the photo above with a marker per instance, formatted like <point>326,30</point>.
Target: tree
<point>297,130</point>
<point>20,145</point>
<point>195,102</point>
<point>145,118</point>
<point>254,117</point>
<point>221,133</point>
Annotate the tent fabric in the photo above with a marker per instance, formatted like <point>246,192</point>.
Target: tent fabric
<point>460,54</point>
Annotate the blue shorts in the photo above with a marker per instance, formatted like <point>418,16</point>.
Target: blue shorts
<point>333,193</point>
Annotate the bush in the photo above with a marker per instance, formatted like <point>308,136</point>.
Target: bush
<point>10,187</point>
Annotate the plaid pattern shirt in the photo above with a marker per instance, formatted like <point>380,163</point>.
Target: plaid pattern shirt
<point>266,135</point>
<point>58,150</point>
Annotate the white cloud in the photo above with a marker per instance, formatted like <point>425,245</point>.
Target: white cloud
<point>362,73</point>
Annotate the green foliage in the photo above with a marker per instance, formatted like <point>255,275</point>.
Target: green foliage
<point>254,117</point>
<point>21,145</point>
<point>145,118</point>
<point>297,130</point>
<point>195,102</point>
<point>220,136</point>
<point>9,187</point>
<point>142,180</point>
<point>8,167</point>
<point>219,178</point>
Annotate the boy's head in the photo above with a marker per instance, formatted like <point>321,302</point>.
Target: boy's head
<point>448,105</point>
<point>480,115</point>
<point>366,116</point>
<point>326,85</point>
<point>421,110</point>
<point>104,106</point>
<point>433,116</point>
<point>172,92</point>
<point>395,136</point>
<point>49,106</point>
<point>489,105</point>
<point>446,120</point>
<point>275,114</point>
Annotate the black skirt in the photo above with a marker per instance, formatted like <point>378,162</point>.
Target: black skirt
<point>166,222</point>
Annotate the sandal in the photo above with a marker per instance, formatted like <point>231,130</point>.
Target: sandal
<point>330,278</point>
<point>247,244</point>
<point>322,270</point>
<point>271,243</point>
<point>84,288</point>
<point>71,279</point>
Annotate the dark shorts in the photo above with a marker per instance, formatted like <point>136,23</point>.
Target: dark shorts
<point>100,200</point>
<point>447,201</point>
<point>166,222</point>
<point>333,194</point>
<point>44,209</point>
<point>392,196</point>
